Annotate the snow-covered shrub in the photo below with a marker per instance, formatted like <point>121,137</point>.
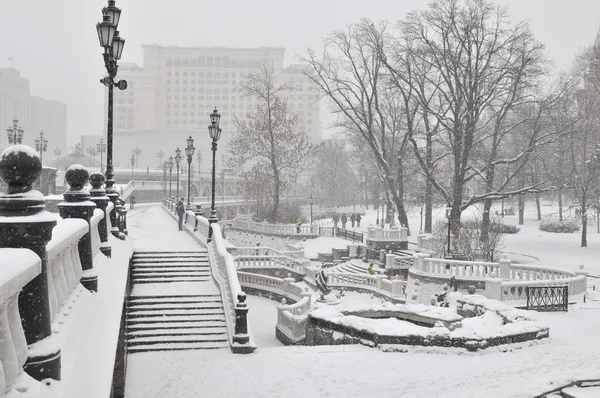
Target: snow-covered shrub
<point>504,228</point>
<point>469,243</point>
<point>564,226</point>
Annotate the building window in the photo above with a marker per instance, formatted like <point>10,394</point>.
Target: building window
<point>209,62</point>
<point>209,78</point>
<point>176,89</point>
<point>176,73</point>
<point>169,73</point>
<point>241,64</point>
<point>225,62</point>
<point>234,64</point>
<point>177,63</point>
<point>217,62</point>
<point>184,81</point>
<point>185,64</point>
<point>257,65</point>
<point>169,63</point>
<point>201,62</point>
<point>193,64</point>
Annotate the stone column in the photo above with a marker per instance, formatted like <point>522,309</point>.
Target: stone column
<point>504,268</point>
<point>77,204</point>
<point>120,207</point>
<point>98,196</point>
<point>24,223</point>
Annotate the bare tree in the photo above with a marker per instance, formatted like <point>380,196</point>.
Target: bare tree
<point>268,137</point>
<point>351,75</point>
<point>468,69</point>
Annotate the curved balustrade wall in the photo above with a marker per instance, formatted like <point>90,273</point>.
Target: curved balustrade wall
<point>497,280</point>
<point>19,267</point>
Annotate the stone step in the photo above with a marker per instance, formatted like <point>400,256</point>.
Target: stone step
<point>173,279</point>
<point>175,306</point>
<point>219,332</point>
<point>175,312</point>
<point>208,320</point>
<point>189,324</point>
<point>174,268</point>
<point>143,340</point>
<point>173,299</point>
<point>177,347</point>
<point>161,274</point>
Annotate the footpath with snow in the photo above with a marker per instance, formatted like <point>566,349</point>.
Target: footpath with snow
<point>524,370</point>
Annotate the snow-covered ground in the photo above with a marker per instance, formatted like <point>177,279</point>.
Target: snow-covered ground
<point>572,351</point>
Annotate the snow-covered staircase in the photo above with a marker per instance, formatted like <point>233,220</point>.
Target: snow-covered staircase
<point>174,304</point>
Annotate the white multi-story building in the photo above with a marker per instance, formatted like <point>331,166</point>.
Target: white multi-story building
<point>34,114</point>
<point>173,94</point>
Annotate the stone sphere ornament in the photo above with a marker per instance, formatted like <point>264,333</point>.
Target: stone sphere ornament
<point>76,176</point>
<point>96,179</point>
<point>20,167</point>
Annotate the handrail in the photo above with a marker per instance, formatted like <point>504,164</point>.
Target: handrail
<point>19,267</point>
<point>64,264</point>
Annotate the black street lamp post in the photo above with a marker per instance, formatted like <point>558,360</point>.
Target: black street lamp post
<point>113,44</point>
<point>57,152</point>
<point>132,164</point>
<point>15,133</point>
<point>189,152</point>
<point>170,164</point>
<point>177,161</point>
<point>165,166</point>
<point>215,133</point>
<point>101,149</point>
<point>448,216</point>
<point>41,145</point>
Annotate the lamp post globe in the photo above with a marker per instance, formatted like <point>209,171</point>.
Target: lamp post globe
<point>214,131</point>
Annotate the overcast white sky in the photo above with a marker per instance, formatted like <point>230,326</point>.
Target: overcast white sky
<point>54,43</point>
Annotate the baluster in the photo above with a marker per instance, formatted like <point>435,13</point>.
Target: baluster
<point>54,293</point>
<point>8,353</point>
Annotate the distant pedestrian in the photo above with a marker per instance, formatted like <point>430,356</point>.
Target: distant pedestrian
<point>358,220</point>
<point>336,219</point>
<point>298,224</point>
<point>344,221</point>
<point>180,210</point>
<point>352,219</point>
<point>131,201</point>
<point>257,250</point>
<point>370,270</point>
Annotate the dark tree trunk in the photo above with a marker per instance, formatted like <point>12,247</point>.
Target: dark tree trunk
<point>428,187</point>
<point>485,221</point>
<point>521,209</point>
<point>583,219</point>
<point>276,187</point>
<point>538,206</point>
<point>560,206</point>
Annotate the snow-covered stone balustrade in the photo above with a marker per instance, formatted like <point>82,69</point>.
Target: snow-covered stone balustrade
<point>19,267</point>
<point>497,280</point>
<point>64,265</point>
<point>224,274</point>
<point>291,318</point>
<point>392,290</point>
<point>389,239</point>
<point>284,230</point>
<point>270,261</point>
<point>265,251</point>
